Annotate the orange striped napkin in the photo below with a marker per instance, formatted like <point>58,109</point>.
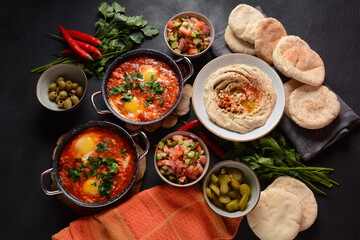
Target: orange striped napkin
<point>162,212</point>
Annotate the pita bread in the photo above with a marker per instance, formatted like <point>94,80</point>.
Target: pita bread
<point>313,107</point>
<point>242,21</point>
<point>295,59</point>
<point>236,44</point>
<point>268,33</point>
<point>289,87</point>
<point>304,194</point>
<point>276,216</point>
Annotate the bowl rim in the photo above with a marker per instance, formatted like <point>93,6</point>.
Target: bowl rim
<point>69,136</point>
<point>206,167</point>
<point>41,77</point>
<point>203,17</point>
<point>233,164</point>
<point>132,54</point>
<point>239,137</point>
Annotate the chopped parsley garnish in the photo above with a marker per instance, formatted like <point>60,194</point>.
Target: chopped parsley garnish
<point>126,97</point>
<point>102,147</point>
<point>123,152</point>
<point>93,169</point>
<point>136,81</point>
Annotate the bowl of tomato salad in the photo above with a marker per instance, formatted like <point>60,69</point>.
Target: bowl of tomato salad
<point>181,159</point>
<point>189,34</point>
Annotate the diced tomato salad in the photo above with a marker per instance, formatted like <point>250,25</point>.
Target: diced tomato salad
<point>181,159</point>
<point>188,35</point>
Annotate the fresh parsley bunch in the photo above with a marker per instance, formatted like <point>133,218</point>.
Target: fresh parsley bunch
<point>118,34</point>
<point>270,157</point>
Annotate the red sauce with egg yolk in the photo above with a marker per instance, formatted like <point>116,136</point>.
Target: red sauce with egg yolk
<point>70,158</point>
<point>165,76</point>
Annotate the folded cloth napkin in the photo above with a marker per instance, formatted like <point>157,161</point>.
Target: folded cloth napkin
<point>308,142</point>
<point>163,212</point>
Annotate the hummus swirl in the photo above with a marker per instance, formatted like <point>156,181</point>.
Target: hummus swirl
<point>239,97</point>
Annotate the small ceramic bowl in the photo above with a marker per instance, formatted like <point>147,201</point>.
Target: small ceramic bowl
<point>199,17</point>
<point>205,166</point>
<point>69,72</point>
<point>249,177</point>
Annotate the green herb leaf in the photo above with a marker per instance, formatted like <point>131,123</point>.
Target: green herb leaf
<point>137,38</point>
<point>118,8</point>
<point>123,152</point>
<point>106,10</point>
<point>126,97</point>
<point>102,147</point>
<point>150,31</point>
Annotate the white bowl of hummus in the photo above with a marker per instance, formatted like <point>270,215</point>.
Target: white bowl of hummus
<point>238,97</point>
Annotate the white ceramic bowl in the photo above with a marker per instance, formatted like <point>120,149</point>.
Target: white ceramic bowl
<point>250,178</point>
<point>206,151</point>
<point>226,60</point>
<point>200,17</point>
<point>69,72</point>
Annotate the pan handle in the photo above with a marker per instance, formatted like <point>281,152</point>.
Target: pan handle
<point>47,192</point>
<point>190,65</point>
<point>147,143</point>
<point>93,103</point>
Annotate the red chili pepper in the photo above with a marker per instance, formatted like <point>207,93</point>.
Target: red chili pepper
<point>89,48</point>
<point>190,125</point>
<point>74,46</point>
<point>212,145</point>
<point>84,37</point>
<point>69,52</point>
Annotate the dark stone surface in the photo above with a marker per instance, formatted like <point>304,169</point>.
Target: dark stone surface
<point>29,132</point>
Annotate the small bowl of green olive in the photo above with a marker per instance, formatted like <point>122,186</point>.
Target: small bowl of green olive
<point>231,189</point>
<point>62,87</point>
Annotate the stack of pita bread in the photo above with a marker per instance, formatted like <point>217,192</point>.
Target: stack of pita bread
<point>286,207</point>
<point>308,103</point>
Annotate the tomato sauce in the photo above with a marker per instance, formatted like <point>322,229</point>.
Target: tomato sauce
<point>96,165</point>
<point>148,95</point>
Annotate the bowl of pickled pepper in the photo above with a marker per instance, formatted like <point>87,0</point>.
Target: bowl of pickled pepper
<point>231,189</point>
<point>62,87</point>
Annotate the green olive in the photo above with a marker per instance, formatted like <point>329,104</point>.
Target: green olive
<point>60,103</point>
<point>53,95</point>
<point>58,98</point>
<point>67,103</point>
<point>74,99</point>
<point>68,85</point>
<point>72,92</point>
<point>59,79</point>
<point>79,91</point>
<point>57,90</point>
<point>52,87</point>
<point>214,178</point>
<point>62,85</point>
<point>75,85</point>
<point>63,94</point>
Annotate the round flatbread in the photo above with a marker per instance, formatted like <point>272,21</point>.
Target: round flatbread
<point>236,44</point>
<point>276,216</point>
<point>268,33</point>
<point>304,194</point>
<point>313,107</point>
<point>289,87</point>
<point>242,21</point>
<point>295,59</point>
